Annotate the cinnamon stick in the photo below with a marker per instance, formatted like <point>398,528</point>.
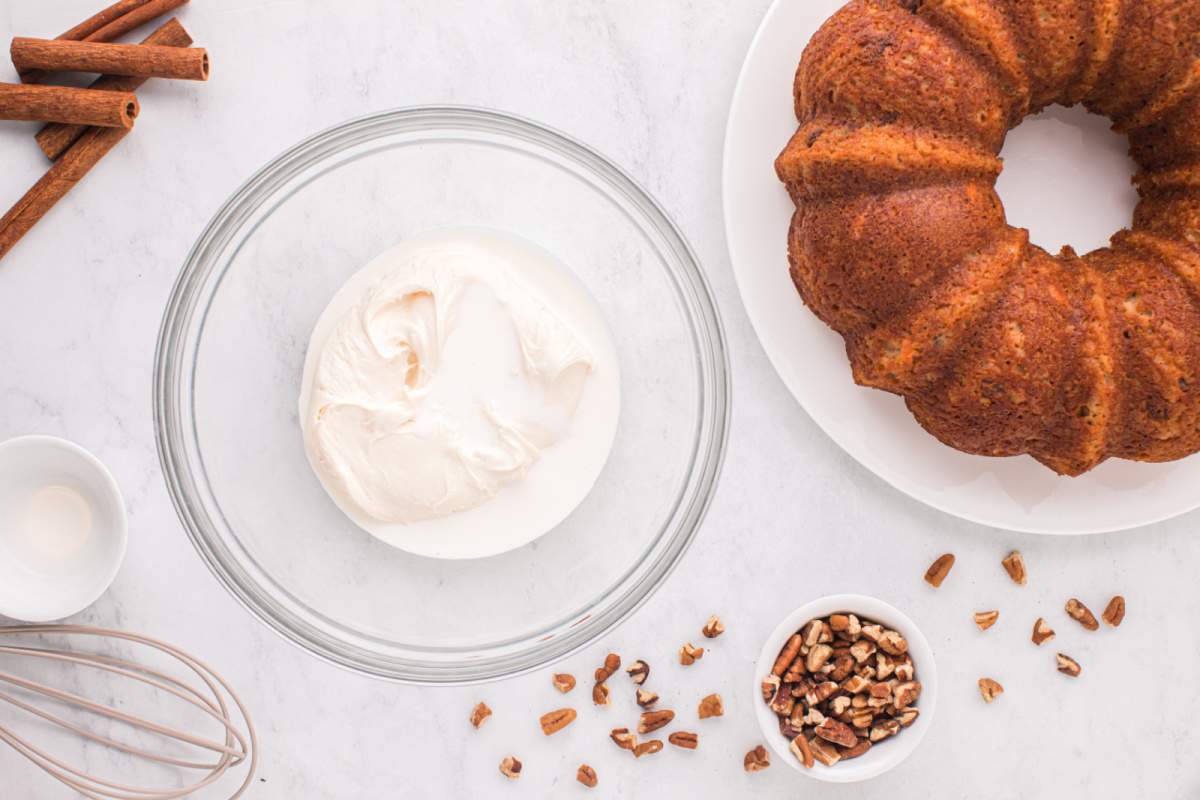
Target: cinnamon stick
<point>65,104</point>
<point>61,177</point>
<point>101,19</point>
<point>112,23</point>
<point>148,61</point>
<point>54,139</point>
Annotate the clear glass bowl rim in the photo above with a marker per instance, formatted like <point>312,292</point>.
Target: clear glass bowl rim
<point>172,367</point>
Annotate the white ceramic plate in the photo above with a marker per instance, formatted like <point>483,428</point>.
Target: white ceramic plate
<point>872,426</point>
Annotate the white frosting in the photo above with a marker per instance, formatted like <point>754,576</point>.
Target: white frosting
<point>441,375</point>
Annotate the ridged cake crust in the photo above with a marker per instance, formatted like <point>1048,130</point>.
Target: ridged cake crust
<point>899,241</point>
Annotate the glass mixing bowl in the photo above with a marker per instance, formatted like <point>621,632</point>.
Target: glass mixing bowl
<point>227,380</point>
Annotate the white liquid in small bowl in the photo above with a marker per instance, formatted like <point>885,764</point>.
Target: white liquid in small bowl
<point>62,529</point>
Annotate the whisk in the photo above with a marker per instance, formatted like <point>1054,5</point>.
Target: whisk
<point>207,691</point>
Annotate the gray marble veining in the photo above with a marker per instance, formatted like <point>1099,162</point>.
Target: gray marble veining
<point>647,83</point>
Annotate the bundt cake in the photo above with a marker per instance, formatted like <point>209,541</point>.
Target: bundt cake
<point>899,241</point>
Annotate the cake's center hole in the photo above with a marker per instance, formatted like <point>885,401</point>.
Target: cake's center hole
<point>1066,178</point>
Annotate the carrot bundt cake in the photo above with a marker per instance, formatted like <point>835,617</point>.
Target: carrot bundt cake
<point>899,241</point>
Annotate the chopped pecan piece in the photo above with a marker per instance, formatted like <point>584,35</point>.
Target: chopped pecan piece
<point>906,694</point>
<point>872,632</point>
<point>623,738</point>
<point>854,752</point>
<point>817,657</point>
<point>1114,612</point>
<point>711,706</point>
<point>713,628</point>
<point>1068,665</point>
<point>564,681</point>
<point>638,671</point>
<point>939,569</point>
<point>685,739</point>
<point>908,716</point>
<point>756,760</point>
<point>770,686</point>
<point>646,699</point>
<point>587,776</point>
<point>689,655</point>
<point>893,643</point>
<point>883,729</point>
<point>1014,565</point>
<point>989,689</point>
<point>554,721</point>
<point>812,631</point>
<point>842,668</point>
<point>651,721</point>
<point>862,650</point>
<point>510,768</point>
<point>648,748</point>
<point>824,751</point>
<point>1042,632</point>
<point>788,654</point>
<point>600,694</point>
<point>1081,614</point>
<point>479,714</point>
<point>986,619</point>
<point>837,732</point>
<point>802,751</point>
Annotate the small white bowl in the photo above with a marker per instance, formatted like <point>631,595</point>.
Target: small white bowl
<point>887,754</point>
<point>62,528</point>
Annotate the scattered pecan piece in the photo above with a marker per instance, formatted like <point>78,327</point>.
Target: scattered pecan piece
<point>986,619</point>
<point>713,628</point>
<point>939,569</point>
<point>1042,632</point>
<point>685,739</point>
<point>653,720</point>
<point>1068,665</point>
<point>646,699</point>
<point>612,663</point>
<point>688,654</point>
<point>554,721</point>
<point>1081,614</point>
<point>802,751</point>
<point>479,715</point>
<point>756,760</point>
<point>648,748</point>
<point>510,768</point>
<point>989,689</point>
<point>638,671</point>
<point>600,694</point>
<point>564,681</point>
<point>623,738</point>
<point>711,706</point>
<point>1014,565</point>
<point>1114,612</point>
<point>587,776</point>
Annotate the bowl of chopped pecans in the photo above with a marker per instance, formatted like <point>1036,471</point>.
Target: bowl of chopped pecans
<point>845,688</point>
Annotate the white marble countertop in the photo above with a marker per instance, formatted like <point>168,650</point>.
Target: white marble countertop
<point>647,83</point>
